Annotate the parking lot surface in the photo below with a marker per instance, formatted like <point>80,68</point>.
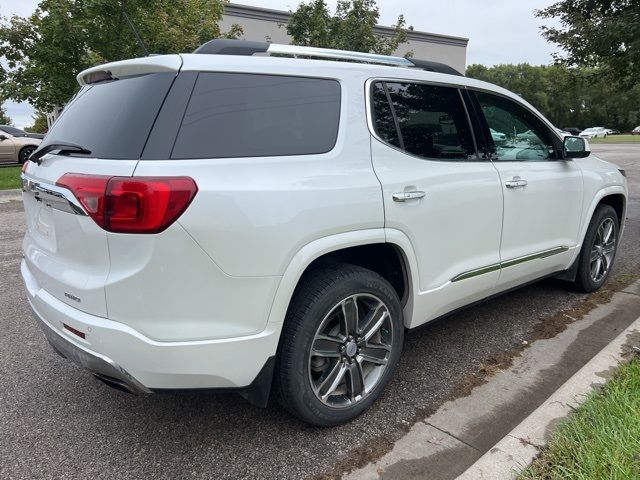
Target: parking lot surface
<point>57,421</point>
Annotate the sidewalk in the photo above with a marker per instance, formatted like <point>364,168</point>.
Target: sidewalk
<point>10,195</point>
<point>482,426</point>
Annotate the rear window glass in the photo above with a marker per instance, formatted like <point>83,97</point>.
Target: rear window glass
<point>250,115</point>
<point>112,119</point>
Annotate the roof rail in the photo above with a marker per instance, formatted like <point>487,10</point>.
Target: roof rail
<point>221,46</point>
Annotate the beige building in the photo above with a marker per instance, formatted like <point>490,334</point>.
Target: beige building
<point>263,24</point>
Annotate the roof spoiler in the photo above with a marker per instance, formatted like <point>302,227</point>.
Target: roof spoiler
<point>125,68</point>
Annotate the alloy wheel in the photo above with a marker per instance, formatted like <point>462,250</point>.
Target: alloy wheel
<point>350,350</point>
<point>25,153</point>
<point>603,250</point>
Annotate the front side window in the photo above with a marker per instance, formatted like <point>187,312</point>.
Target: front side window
<point>249,115</point>
<point>516,132</point>
<point>425,120</point>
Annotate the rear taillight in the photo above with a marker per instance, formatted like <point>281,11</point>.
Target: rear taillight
<point>131,204</point>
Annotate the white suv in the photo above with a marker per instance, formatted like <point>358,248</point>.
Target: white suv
<point>266,223</point>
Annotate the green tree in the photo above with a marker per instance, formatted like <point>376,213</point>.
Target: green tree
<point>569,97</point>
<point>351,27</point>
<point>598,33</point>
<point>4,118</point>
<point>39,124</point>
<point>45,51</point>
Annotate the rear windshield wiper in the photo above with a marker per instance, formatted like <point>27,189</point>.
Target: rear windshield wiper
<point>61,147</point>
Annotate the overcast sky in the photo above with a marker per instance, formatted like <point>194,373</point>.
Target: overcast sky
<point>499,31</point>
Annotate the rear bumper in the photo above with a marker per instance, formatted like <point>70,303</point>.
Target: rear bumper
<point>100,365</point>
<point>115,351</point>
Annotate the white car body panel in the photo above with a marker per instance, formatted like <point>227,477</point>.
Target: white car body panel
<point>540,217</point>
<point>463,201</point>
<point>224,363</point>
<point>68,254</point>
<point>202,303</point>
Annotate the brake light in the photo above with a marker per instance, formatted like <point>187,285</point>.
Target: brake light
<point>131,204</point>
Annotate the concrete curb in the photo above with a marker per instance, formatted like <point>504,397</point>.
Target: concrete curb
<point>10,195</point>
<point>525,442</point>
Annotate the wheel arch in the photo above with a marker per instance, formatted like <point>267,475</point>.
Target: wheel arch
<point>616,197</point>
<point>368,248</point>
<point>619,203</point>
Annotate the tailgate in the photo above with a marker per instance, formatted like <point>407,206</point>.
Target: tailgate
<point>64,249</point>
<point>101,132</point>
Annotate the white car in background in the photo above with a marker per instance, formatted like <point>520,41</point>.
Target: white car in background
<point>594,132</point>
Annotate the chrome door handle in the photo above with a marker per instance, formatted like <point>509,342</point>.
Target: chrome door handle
<point>516,182</point>
<point>404,196</point>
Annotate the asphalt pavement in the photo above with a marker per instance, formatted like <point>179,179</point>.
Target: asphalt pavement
<point>57,421</point>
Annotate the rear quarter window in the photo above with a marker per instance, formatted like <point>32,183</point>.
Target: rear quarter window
<point>249,115</point>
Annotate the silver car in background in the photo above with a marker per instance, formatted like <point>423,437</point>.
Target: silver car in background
<point>594,132</point>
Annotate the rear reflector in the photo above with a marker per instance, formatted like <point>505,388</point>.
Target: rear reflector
<point>73,330</point>
<point>131,204</point>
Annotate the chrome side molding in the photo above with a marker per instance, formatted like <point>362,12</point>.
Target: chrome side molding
<point>509,263</point>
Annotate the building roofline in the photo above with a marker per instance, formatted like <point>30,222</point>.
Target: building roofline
<point>279,16</point>
<point>258,13</point>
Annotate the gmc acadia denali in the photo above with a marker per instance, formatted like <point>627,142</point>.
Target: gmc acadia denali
<point>272,219</point>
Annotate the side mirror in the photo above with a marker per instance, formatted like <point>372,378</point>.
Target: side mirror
<point>3,138</point>
<point>575,147</point>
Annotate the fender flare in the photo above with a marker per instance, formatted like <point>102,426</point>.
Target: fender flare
<point>314,250</point>
<point>600,194</point>
<point>303,258</point>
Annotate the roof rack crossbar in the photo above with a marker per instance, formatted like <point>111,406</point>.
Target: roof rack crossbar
<point>243,47</point>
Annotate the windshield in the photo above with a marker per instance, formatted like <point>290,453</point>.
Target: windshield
<point>12,130</point>
<point>112,119</point>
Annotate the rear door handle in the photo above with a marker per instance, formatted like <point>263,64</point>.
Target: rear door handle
<point>404,196</point>
<point>516,182</point>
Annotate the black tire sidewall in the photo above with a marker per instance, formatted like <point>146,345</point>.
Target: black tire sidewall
<point>584,280</point>
<point>22,156</point>
<point>322,292</point>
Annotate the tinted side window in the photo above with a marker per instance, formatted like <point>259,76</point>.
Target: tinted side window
<point>432,121</point>
<point>246,115</point>
<point>516,132</point>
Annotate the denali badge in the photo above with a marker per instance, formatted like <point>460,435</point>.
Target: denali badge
<point>72,297</point>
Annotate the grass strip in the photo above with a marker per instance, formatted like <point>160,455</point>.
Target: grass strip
<point>601,439</point>
<point>10,178</point>
<point>617,139</point>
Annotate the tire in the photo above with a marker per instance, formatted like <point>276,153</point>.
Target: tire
<point>25,153</point>
<point>598,249</point>
<point>322,389</point>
